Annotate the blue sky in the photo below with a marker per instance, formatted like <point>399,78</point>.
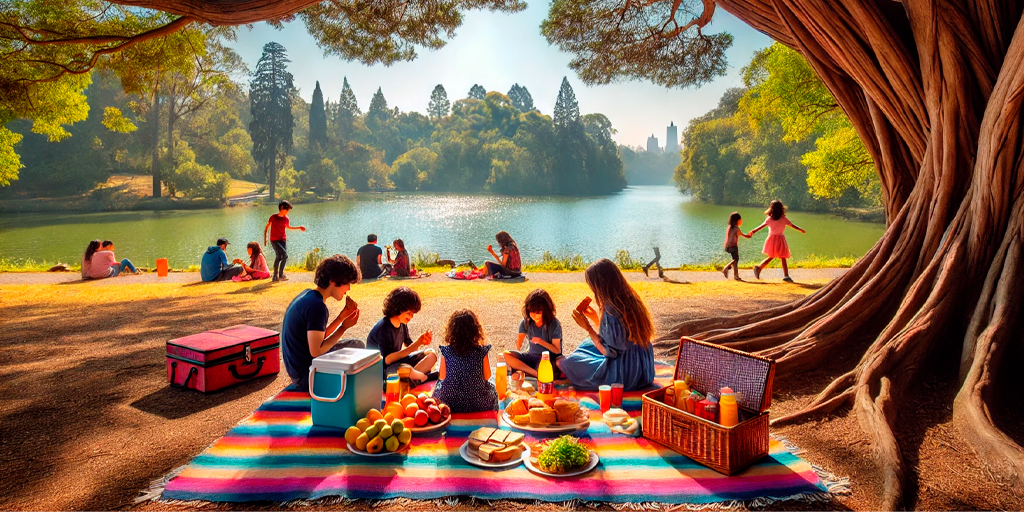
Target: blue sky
<point>497,50</point>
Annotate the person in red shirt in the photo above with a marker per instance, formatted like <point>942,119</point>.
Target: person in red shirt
<point>277,227</point>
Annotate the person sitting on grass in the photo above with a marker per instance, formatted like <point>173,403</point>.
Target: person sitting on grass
<point>368,258</point>
<point>87,257</point>
<point>257,267</point>
<point>305,331</point>
<point>400,264</point>
<point>540,329</point>
<point>103,263</point>
<point>390,335</point>
<point>509,264</point>
<point>214,265</point>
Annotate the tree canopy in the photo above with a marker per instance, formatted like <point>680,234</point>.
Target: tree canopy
<point>270,97</point>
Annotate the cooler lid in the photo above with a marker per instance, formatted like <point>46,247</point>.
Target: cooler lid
<point>348,360</point>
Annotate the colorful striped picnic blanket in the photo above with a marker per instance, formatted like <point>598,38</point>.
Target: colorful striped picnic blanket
<point>276,454</point>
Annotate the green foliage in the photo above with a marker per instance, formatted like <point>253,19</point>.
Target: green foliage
<point>317,120</point>
<point>625,261</point>
<point>345,113</point>
<point>10,163</point>
<point>270,100</point>
<point>322,175</point>
<point>567,109</point>
<point>115,121</point>
<point>520,98</point>
<point>561,262</point>
<point>647,168</point>
<point>423,259</point>
<point>378,113</point>
<point>621,40</point>
<point>312,259</point>
<point>783,137</point>
<point>439,104</point>
<point>193,179</point>
<point>477,92</point>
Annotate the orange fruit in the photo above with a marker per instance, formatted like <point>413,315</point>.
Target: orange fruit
<point>408,399</point>
<point>410,410</point>
<point>409,422</point>
<point>396,410</point>
<point>374,415</point>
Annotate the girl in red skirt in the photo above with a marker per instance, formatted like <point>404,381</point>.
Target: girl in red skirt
<point>775,245</point>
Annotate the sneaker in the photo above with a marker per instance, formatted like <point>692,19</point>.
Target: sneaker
<point>275,279</point>
<point>787,279</point>
<point>725,272</point>
<point>757,271</point>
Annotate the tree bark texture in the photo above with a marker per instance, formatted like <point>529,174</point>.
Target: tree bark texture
<point>935,89</point>
<point>155,163</point>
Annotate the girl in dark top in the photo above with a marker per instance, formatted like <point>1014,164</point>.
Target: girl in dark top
<point>541,329</point>
<point>732,241</point>
<point>509,264</point>
<point>401,266</point>
<point>465,368</point>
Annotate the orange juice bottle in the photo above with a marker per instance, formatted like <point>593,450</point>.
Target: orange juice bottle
<point>728,410</point>
<point>501,377</point>
<point>545,378</point>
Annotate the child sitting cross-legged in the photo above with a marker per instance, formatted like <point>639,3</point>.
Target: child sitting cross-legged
<point>391,337</point>
<point>541,329</point>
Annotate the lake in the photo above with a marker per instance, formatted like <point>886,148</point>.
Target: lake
<point>456,226</point>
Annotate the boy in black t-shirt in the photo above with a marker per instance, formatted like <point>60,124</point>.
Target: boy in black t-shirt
<point>305,333</point>
<point>391,337</point>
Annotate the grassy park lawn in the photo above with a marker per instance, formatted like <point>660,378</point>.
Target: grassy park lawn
<point>87,419</point>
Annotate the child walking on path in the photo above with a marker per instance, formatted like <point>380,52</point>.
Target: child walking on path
<point>775,246</point>
<point>732,245</point>
<point>390,335</point>
<point>619,350</point>
<point>257,267</point>
<point>541,329</point>
<point>277,226</point>
<point>465,368</point>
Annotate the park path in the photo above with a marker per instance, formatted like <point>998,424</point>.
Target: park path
<point>679,276</point>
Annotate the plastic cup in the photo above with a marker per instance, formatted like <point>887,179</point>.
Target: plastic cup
<point>605,393</point>
<point>391,393</point>
<point>617,395</point>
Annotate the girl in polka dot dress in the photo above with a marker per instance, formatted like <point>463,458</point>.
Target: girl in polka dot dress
<point>465,368</point>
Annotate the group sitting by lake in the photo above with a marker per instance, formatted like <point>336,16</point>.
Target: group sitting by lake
<point>99,261</point>
<point>618,349</point>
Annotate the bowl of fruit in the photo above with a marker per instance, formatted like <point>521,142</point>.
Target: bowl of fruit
<point>378,435</point>
<point>422,413</point>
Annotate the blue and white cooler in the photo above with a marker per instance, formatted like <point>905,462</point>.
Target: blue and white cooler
<point>344,385</point>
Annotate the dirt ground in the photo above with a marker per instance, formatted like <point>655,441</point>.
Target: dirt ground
<point>87,420</point>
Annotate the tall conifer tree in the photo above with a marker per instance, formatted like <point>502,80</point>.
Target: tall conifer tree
<point>270,94</point>
<point>521,98</point>
<point>317,120</point>
<point>347,112</point>
<point>439,104</point>
<point>477,92</point>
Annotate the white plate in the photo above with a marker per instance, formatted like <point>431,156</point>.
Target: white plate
<point>382,453</point>
<point>431,428</point>
<point>594,459</point>
<point>549,429</point>
<point>476,461</point>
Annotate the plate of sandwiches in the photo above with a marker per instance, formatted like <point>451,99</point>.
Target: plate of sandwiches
<point>534,415</point>
<point>495,448</point>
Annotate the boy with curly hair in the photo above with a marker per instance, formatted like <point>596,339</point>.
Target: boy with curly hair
<point>391,337</point>
<point>305,332</point>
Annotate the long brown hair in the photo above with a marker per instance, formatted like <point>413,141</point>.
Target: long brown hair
<point>611,289</point>
<point>775,210</point>
<point>463,331</point>
<point>91,249</point>
<point>538,301</point>
<point>256,251</point>
<point>504,239</point>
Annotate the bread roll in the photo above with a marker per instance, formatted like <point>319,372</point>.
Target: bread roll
<point>542,416</point>
<point>518,407</point>
<point>565,411</point>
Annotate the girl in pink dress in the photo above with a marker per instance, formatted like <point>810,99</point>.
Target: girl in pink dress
<point>775,245</point>
<point>257,266</point>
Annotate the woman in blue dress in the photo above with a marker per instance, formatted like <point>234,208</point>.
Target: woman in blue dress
<point>619,350</point>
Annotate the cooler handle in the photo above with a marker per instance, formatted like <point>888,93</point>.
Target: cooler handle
<point>259,367</point>
<point>184,385</point>
<point>341,393</point>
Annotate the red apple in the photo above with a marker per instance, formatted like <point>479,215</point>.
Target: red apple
<point>421,418</point>
<point>434,413</point>
<point>445,411</point>
<point>430,401</point>
<point>420,399</point>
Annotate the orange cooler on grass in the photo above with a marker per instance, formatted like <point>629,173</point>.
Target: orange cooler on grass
<point>161,267</point>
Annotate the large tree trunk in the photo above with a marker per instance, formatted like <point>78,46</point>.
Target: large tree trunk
<point>935,89</point>
<point>155,163</point>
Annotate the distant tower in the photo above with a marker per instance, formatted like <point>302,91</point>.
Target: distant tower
<point>671,139</point>
<point>652,144</point>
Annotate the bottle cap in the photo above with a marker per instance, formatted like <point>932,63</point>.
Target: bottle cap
<point>501,357</point>
<point>546,355</point>
<point>727,391</point>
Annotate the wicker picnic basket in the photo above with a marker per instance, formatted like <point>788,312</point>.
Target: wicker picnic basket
<point>712,367</point>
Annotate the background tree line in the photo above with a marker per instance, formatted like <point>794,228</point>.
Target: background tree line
<point>781,136</point>
<point>180,109</point>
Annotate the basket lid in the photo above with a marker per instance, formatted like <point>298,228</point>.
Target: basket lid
<point>712,367</point>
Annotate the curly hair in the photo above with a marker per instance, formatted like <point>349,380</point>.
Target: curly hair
<point>400,300</point>
<point>538,301</point>
<point>337,269</point>
<point>463,331</point>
